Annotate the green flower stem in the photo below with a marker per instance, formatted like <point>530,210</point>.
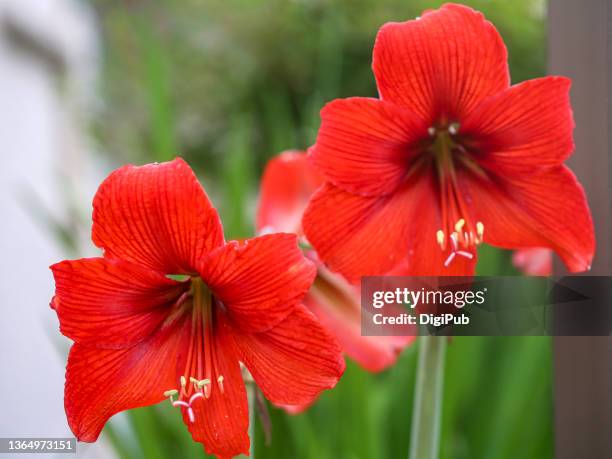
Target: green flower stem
<point>250,388</point>
<point>427,410</point>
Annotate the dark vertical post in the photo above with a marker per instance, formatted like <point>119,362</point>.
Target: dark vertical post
<point>578,41</point>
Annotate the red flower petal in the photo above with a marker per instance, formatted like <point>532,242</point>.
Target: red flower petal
<point>547,208</point>
<point>157,216</point>
<point>293,361</point>
<point>365,145</point>
<point>441,65</point>
<point>361,236</point>
<point>337,305</point>
<point>534,262</point>
<point>259,281</point>
<point>528,125</point>
<point>222,421</point>
<point>111,303</point>
<point>287,184</point>
<point>102,382</point>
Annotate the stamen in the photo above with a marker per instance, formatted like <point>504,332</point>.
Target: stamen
<point>170,394</point>
<point>459,225</point>
<point>463,240</point>
<point>206,384</point>
<point>446,149</point>
<point>220,383</point>
<point>479,230</point>
<point>440,238</point>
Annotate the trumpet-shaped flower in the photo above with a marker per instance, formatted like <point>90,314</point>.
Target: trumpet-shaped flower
<point>172,310</point>
<point>449,156</point>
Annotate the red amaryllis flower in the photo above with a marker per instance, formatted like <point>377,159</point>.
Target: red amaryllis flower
<point>287,185</point>
<point>141,336</point>
<point>534,262</point>
<point>449,156</point>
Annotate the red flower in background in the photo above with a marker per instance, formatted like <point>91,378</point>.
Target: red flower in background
<point>287,185</point>
<point>534,262</point>
<point>141,336</point>
<point>448,157</point>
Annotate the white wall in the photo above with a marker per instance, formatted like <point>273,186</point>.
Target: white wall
<point>40,140</point>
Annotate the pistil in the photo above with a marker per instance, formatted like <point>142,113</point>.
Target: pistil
<point>201,359</point>
<point>458,235</point>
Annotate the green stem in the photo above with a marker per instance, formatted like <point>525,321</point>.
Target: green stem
<point>251,394</point>
<point>427,410</point>
<point>250,388</point>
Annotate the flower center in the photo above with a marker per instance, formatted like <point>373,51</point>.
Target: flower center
<point>201,367</point>
<point>459,235</point>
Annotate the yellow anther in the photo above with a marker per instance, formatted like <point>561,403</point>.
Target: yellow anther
<point>479,230</point>
<point>220,382</point>
<point>193,380</point>
<point>183,381</point>
<point>440,237</point>
<point>459,225</point>
<point>203,382</point>
<point>170,393</point>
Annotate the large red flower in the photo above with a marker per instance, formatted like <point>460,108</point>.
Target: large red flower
<point>141,336</point>
<point>287,185</point>
<point>449,156</point>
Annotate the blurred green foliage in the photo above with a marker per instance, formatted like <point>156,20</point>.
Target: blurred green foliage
<point>229,84</point>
